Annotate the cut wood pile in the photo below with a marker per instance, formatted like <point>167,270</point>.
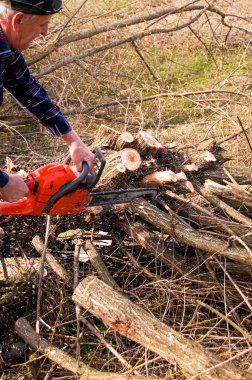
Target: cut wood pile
<point>159,288</point>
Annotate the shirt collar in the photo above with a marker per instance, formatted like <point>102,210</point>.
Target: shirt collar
<point>5,50</point>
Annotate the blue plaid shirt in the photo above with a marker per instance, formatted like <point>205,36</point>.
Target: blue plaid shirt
<point>28,92</point>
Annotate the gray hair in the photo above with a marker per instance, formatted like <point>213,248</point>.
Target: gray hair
<point>5,10</point>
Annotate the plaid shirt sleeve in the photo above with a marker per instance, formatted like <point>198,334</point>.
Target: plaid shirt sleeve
<point>4,178</point>
<point>32,96</point>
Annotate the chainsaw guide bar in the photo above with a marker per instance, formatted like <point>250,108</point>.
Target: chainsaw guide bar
<point>119,196</point>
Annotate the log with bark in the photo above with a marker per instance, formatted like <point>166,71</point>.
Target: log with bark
<point>188,235</point>
<point>17,269</point>
<point>137,324</point>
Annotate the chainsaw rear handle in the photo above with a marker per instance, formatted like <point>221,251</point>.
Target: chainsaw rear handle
<point>91,180</point>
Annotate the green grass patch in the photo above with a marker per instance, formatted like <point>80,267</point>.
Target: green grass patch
<point>194,69</point>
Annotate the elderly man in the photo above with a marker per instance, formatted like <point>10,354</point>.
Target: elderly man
<point>21,21</point>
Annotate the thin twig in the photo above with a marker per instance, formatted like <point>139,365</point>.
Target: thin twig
<point>41,272</point>
<point>245,133</point>
<point>78,245</point>
<point>246,299</point>
<point>228,320</point>
<point>137,50</point>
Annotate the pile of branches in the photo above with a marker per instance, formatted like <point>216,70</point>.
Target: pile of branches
<point>158,288</point>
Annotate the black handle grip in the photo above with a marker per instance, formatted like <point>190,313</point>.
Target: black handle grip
<point>93,179</point>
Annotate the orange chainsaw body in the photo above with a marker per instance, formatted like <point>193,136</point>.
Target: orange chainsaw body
<point>44,183</point>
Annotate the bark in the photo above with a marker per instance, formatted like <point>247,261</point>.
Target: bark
<point>99,265</point>
<point>26,332</point>
<point>186,234</point>
<point>242,175</point>
<point>234,194</point>
<point>205,217</point>
<point>111,138</point>
<point>142,327</point>
<point>155,245</point>
<point>213,199</point>
<point>18,268</point>
<point>105,137</point>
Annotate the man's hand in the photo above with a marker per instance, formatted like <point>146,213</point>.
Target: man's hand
<point>14,190</point>
<point>79,152</point>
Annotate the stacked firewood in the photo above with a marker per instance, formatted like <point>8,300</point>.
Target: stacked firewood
<point>202,207</point>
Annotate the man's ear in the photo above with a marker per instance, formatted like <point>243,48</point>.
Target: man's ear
<point>17,20</point>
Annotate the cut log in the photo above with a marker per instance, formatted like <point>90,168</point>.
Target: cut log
<point>186,234</point>
<point>189,186</point>
<point>202,159</point>
<point>131,159</point>
<point>134,322</point>
<point>189,168</point>
<point>181,176</point>
<point>147,143</point>
<point>183,187</point>
<point>124,140</point>
<point>29,335</point>
<point>105,137</point>
<point>208,156</point>
<point>213,199</point>
<point>205,218</point>
<point>118,164</point>
<point>160,178</point>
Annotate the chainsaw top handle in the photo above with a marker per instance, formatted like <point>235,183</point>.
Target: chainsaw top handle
<point>91,179</point>
<point>95,177</point>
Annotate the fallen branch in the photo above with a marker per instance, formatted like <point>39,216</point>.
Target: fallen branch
<point>50,259</point>
<point>137,324</point>
<point>26,332</point>
<point>186,234</point>
<point>99,265</point>
<point>18,268</point>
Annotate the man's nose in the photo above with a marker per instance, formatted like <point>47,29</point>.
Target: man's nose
<point>44,30</point>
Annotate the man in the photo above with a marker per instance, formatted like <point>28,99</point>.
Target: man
<point>21,21</point>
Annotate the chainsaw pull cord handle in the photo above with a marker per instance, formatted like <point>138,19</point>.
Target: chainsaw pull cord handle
<point>92,180</point>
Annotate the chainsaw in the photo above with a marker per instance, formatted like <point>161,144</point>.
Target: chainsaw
<point>58,189</point>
